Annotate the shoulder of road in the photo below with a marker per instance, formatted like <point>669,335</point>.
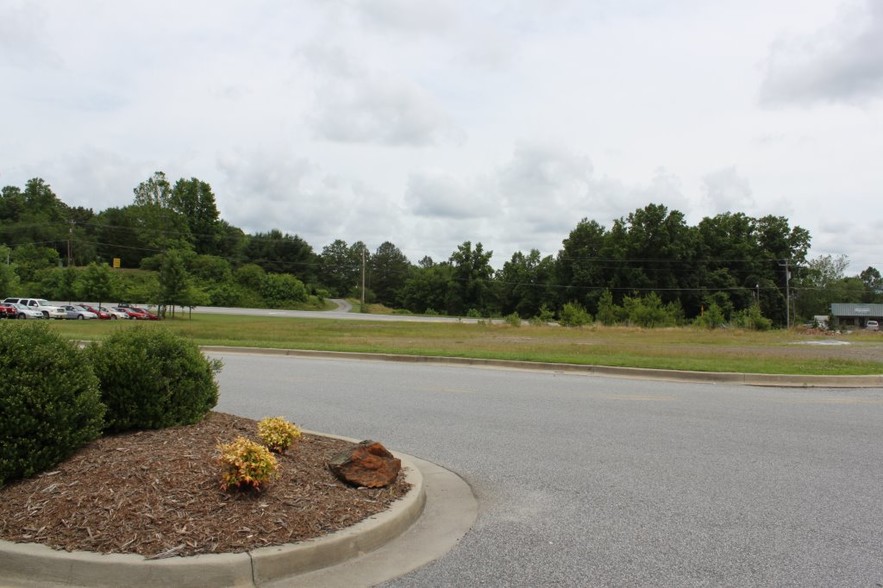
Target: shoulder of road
<point>736,378</point>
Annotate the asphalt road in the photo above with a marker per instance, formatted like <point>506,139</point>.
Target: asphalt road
<point>590,481</point>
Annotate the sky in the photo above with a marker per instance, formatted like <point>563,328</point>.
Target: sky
<point>431,123</point>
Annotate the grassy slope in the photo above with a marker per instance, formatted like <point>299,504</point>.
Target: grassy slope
<point>683,348</point>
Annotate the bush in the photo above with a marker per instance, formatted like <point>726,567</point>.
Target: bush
<point>50,404</point>
<point>151,379</point>
<point>246,465</point>
<point>277,433</point>
<point>574,315</point>
<point>513,320</point>
<point>752,318</point>
<point>711,318</point>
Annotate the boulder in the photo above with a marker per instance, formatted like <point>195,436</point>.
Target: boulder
<point>367,464</point>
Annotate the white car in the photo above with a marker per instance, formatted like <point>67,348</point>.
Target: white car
<point>74,311</point>
<point>41,304</point>
<point>26,312</point>
<point>114,313</point>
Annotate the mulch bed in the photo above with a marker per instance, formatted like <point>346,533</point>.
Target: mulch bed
<point>158,494</point>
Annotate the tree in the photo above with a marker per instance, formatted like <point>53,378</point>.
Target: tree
<point>428,288</point>
<point>341,267</point>
<point>654,250</point>
<point>9,282</point>
<point>472,274</point>
<point>194,201</point>
<point>174,280</point>
<point>154,191</point>
<point>159,226</point>
<point>389,269</point>
<point>525,283</point>
<point>95,283</point>
<point>279,253</point>
<point>873,284</point>
<point>582,272</point>
<point>819,284</point>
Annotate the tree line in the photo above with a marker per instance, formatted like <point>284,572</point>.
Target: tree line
<point>649,267</point>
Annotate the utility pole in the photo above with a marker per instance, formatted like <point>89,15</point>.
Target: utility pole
<point>787,294</point>
<point>70,232</point>
<point>363,279</point>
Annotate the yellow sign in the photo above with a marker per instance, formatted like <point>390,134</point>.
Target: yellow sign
<point>116,262</point>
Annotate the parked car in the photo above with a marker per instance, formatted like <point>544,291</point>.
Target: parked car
<point>48,310</point>
<point>77,312</point>
<point>113,312</point>
<point>101,314</point>
<point>872,325</point>
<point>26,312</point>
<point>132,313</point>
<point>7,311</point>
<point>150,316</point>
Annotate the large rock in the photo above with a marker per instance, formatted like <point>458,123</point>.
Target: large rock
<point>367,464</point>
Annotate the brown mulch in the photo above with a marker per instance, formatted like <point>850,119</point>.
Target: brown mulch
<point>158,494</point>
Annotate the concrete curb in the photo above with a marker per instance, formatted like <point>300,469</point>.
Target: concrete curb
<point>38,565</point>
<point>777,380</point>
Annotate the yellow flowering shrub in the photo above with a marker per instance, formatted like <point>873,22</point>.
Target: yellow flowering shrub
<point>246,465</point>
<point>277,433</point>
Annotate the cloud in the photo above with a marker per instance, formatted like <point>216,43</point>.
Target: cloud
<point>22,36</point>
<point>840,63</point>
<point>356,105</point>
<point>725,190</point>
<point>438,194</point>
<point>408,16</point>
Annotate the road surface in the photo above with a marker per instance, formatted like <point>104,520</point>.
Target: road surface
<point>591,481</point>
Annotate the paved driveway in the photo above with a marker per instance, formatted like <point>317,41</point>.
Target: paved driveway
<point>589,481</point>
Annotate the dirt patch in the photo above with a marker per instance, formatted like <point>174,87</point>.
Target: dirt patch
<point>157,494</point>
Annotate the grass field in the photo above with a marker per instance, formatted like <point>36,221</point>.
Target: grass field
<point>722,350</point>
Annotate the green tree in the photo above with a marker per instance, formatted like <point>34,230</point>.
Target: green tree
<point>582,270</point>
<point>194,200</point>
<point>174,281</point>
<point>472,277</point>
<point>526,283</point>
<point>281,253</point>
<point>160,227</point>
<point>819,284</point>
<point>388,271</point>
<point>9,282</point>
<point>873,284</point>
<point>31,258</point>
<point>428,287</point>
<point>95,283</point>
<point>341,267</point>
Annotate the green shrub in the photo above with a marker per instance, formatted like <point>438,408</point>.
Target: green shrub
<point>50,404</point>
<point>513,320</point>
<point>151,379</point>
<point>277,433</point>
<point>711,317</point>
<point>574,315</point>
<point>246,465</point>
<point>751,318</point>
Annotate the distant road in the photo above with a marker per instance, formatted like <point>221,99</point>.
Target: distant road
<point>343,312</point>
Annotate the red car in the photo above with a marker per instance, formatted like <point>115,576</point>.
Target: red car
<point>132,313</point>
<point>101,314</point>
<point>149,315</point>
<point>8,311</point>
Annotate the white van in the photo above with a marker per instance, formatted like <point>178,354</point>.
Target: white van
<point>48,310</point>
